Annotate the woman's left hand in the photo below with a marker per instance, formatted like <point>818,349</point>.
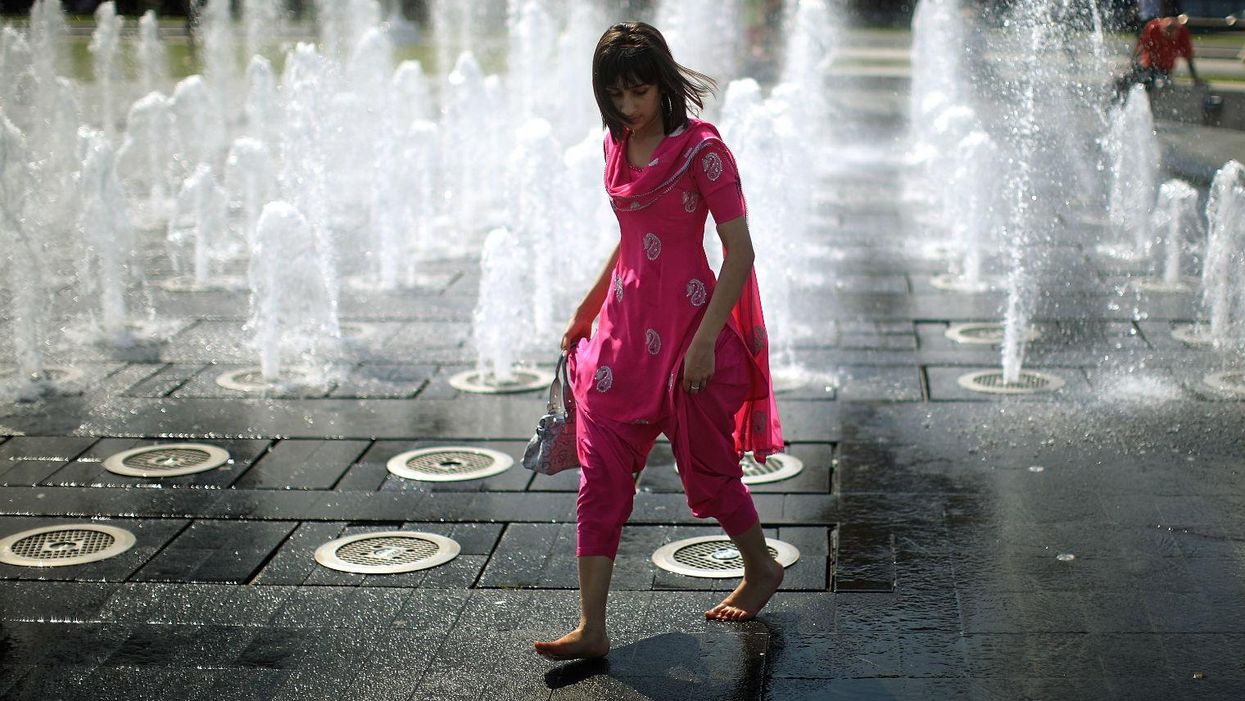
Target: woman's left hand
<point>697,367</point>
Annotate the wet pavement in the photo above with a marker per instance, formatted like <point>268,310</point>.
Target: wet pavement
<point>1086,544</point>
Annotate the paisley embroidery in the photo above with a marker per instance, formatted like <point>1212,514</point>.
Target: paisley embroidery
<point>652,246</point>
<point>604,378</point>
<point>712,163</point>
<point>618,288</point>
<point>654,162</point>
<point>758,339</point>
<point>653,341</point>
<point>690,201</point>
<point>696,292</point>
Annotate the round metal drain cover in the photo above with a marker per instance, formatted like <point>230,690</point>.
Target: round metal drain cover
<point>1194,334</point>
<point>983,334</point>
<point>991,382</point>
<point>715,556</point>
<point>61,546</point>
<point>1230,381</point>
<point>776,467</point>
<point>522,380</point>
<point>387,553</point>
<point>451,464</point>
<point>959,283</point>
<point>168,460</point>
<point>252,379</point>
<point>54,375</point>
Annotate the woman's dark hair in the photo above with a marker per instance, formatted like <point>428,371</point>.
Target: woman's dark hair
<point>635,53</point>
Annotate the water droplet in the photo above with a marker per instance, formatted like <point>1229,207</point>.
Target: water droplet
<point>1065,557</point>
<point>1036,468</point>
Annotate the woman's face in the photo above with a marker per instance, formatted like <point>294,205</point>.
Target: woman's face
<point>640,105</point>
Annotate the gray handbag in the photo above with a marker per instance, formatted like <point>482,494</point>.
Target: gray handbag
<point>552,449</point>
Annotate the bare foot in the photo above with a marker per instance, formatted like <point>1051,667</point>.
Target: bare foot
<point>575,645</point>
<point>749,597</point>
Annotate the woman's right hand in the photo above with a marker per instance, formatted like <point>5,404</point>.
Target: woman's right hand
<point>580,326</point>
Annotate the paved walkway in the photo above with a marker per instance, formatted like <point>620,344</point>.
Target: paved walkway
<point>1086,544</point>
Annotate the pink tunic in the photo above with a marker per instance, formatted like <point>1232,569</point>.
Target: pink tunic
<point>629,370</point>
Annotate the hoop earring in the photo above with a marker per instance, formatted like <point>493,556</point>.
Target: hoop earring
<point>667,105</point>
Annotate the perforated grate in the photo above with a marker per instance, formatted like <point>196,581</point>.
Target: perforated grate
<point>450,464</point>
<point>715,556</point>
<point>387,553</point>
<point>777,467</point>
<point>168,460</point>
<point>57,546</point>
<point>992,382</point>
<point>390,551</point>
<point>712,555</point>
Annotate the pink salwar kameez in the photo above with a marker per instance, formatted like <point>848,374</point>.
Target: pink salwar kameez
<point>627,377</point>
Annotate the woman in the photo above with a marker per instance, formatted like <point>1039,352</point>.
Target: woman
<point>676,351</point>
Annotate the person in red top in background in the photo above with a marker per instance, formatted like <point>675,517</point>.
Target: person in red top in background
<point>1162,41</point>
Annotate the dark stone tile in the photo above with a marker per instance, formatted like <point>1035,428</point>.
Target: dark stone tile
<point>168,379</point>
<point>383,381</point>
<point>302,464</point>
<point>217,551</point>
<point>28,460</point>
<point>180,646</point>
<point>53,601</point>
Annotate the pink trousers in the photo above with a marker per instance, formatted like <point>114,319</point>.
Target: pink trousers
<point>700,428</point>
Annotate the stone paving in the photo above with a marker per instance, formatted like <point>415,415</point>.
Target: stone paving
<point>934,554</point>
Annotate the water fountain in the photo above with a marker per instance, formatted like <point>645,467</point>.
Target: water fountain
<point>263,108</point>
<point>1133,149</point>
<point>145,159</point>
<point>262,21</point>
<point>468,157</point>
<point>103,48</point>
<point>22,264</point>
<point>1223,282</point>
<point>500,314</point>
<point>972,212</point>
<point>198,223</point>
<point>412,94</point>
<point>198,126</point>
<point>293,303</point>
<point>153,59</point>
<point>704,35</point>
<point>1044,107</point>
<point>1174,223</point>
<point>251,181</point>
<point>214,24</point>
<point>107,231</point>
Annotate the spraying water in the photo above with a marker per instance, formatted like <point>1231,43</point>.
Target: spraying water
<point>21,258</point>
<point>502,312</point>
<point>1175,221</point>
<point>103,48</point>
<point>199,222</point>
<point>106,228</point>
<point>1223,274</point>
<point>1133,148</point>
<point>153,60</point>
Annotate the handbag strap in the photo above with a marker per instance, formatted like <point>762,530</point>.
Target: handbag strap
<point>557,389</point>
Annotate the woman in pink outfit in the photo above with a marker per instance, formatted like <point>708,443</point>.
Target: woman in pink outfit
<point>677,349</point>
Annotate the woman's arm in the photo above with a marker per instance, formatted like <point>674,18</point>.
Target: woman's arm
<point>580,325</point>
<point>736,266</point>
